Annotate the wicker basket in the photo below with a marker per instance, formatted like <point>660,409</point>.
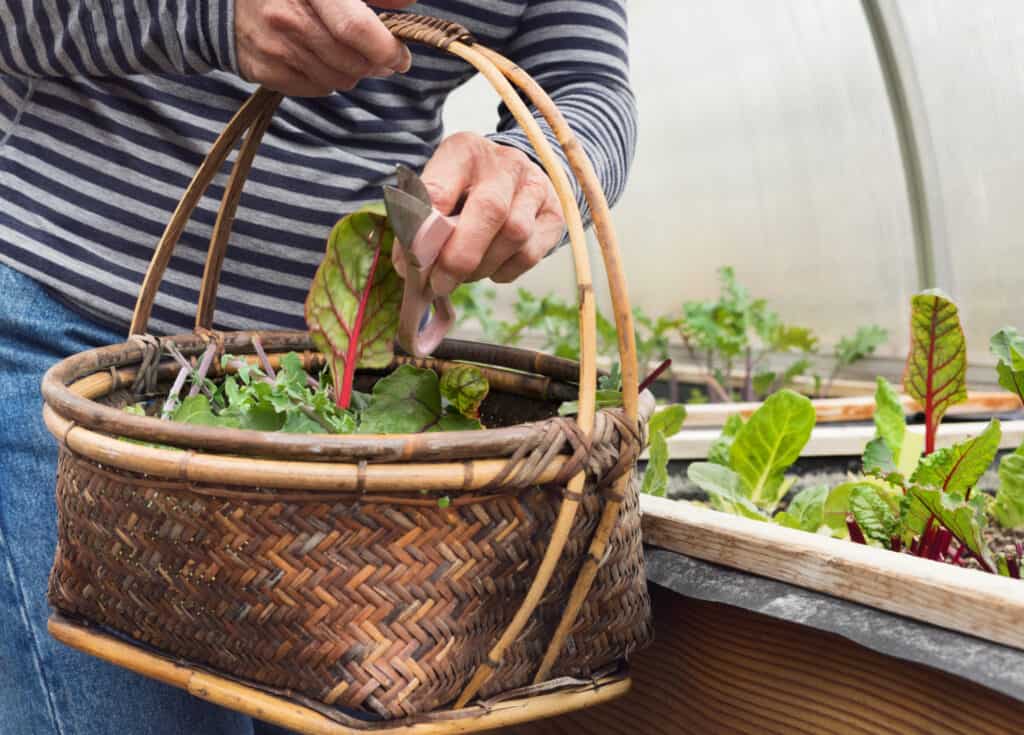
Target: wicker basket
<point>321,566</point>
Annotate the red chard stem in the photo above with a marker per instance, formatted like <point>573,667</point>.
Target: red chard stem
<point>345,389</point>
<point>654,375</point>
<point>856,535</point>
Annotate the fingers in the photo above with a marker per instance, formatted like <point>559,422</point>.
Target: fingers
<point>487,208</point>
<point>354,25</point>
<point>451,170</point>
<point>547,233</point>
<point>516,232</point>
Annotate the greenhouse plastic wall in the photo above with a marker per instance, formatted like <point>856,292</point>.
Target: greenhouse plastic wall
<point>769,140</point>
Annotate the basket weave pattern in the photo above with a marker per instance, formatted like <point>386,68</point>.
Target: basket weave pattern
<point>386,606</point>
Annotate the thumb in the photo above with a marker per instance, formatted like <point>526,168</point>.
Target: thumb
<point>449,172</point>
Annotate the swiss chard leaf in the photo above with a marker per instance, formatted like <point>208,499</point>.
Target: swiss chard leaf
<point>873,514</point>
<point>838,502</point>
<point>964,520</point>
<point>958,468</point>
<point>806,510</point>
<point>725,489</point>
<point>353,304</point>
<point>769,442</point>
<point>721,448</point>
<point>408,401</point>
<point>1008,347</point>
<point>937,365</point>
<point>878,457</point>
<point>465,387</point>
<point>890,423</point>
<point>663,424</point>
<point>197,410</point>
<point>1008,507</point>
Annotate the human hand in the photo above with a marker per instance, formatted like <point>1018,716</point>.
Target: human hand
<point>310,48</point>
<point>510,217</point>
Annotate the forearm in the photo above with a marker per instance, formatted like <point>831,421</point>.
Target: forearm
<point>47,38</point>
<point>579,54</point>
<point>602,115</point>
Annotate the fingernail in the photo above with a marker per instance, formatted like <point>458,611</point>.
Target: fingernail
<point>382,72</point>
<point>443,284</point>
<point>404,62</point>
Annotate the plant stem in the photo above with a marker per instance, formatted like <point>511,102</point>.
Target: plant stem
<point>186,365</point>
<point>172,398</point>
<point>344,397</point>
<point>654,375</point>
<point>748,378</point>
<point>257,345</point>
<point>958,556</point>
<point>199,378</point>
<point>856,535</point>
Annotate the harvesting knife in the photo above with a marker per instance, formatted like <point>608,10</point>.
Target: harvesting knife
<point>420,233</point>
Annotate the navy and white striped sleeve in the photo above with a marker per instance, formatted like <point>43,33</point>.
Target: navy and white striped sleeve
<point>61,38</point>
<point>577,50</point>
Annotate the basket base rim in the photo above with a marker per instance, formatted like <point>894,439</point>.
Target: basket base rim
<point>296,716</point>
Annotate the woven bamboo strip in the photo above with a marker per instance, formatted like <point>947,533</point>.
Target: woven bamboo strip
<point>204,175</point>
<point>226,214</point>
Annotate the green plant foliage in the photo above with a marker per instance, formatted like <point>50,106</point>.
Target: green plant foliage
<point>725,488</point>
<point>465,387</point>
<point>1008,506</point>
<point>353,304</point>
<point>963,519</point>
<point>890,422</point>
<point>721,448</point>
<point>873,514</point>
<point>1008,347</point>
<point>806,511</point>
<point>663,424</point>
<point>862,344</point>
<point>769,442</point>
<point>958,468</point>
<point>408,401</point>
<point>877,458</point>
<point>937,365</point>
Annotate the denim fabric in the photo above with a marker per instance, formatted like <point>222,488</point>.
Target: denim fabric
<point>46,687</point>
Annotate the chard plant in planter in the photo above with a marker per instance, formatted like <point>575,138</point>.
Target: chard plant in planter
<point>910,496</point>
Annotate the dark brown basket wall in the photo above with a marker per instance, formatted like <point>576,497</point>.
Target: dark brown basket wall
<point>323,566</point>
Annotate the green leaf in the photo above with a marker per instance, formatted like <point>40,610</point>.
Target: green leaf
<point>769,442</point>
<point>890,422</point>
<point>838,503</point>
<point>465,387</point>
<point>196,410</point>
<point>613,380</point>
<point>408,401</point>
<point>663,424</point>
<point>959,467</point>
<point>806,510</point>
<point>1008,507</point>
<point>878,457</point>
<point>721,448</point>
<point>863,343</point>
<point>964,520</point>
<point>937,365</point>
<point>355,291</point>
<point>1008,346</point>
<point>762,382</point>
<point>299,423</point>
<point>785,337</point>
<point>725,488</point>
<point>873,514</point>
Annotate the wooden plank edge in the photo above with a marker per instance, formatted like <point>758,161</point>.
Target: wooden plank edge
<point>294,716</point>
<point>858,408</point>
<point>963,600</point>
<point>843,441</point>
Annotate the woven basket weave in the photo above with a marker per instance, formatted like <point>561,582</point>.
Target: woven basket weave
<point>322,566</point>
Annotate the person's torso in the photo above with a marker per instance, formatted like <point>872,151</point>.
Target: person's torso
<point>90,170</point>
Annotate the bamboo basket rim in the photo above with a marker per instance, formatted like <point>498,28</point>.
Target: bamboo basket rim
<point>67,391</point>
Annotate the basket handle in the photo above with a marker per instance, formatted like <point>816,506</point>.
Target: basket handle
<point>254,116</point>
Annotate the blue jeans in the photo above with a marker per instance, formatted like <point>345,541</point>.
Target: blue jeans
<point>46,687</point>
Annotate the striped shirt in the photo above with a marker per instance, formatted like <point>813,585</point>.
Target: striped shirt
<point>107,108</point>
